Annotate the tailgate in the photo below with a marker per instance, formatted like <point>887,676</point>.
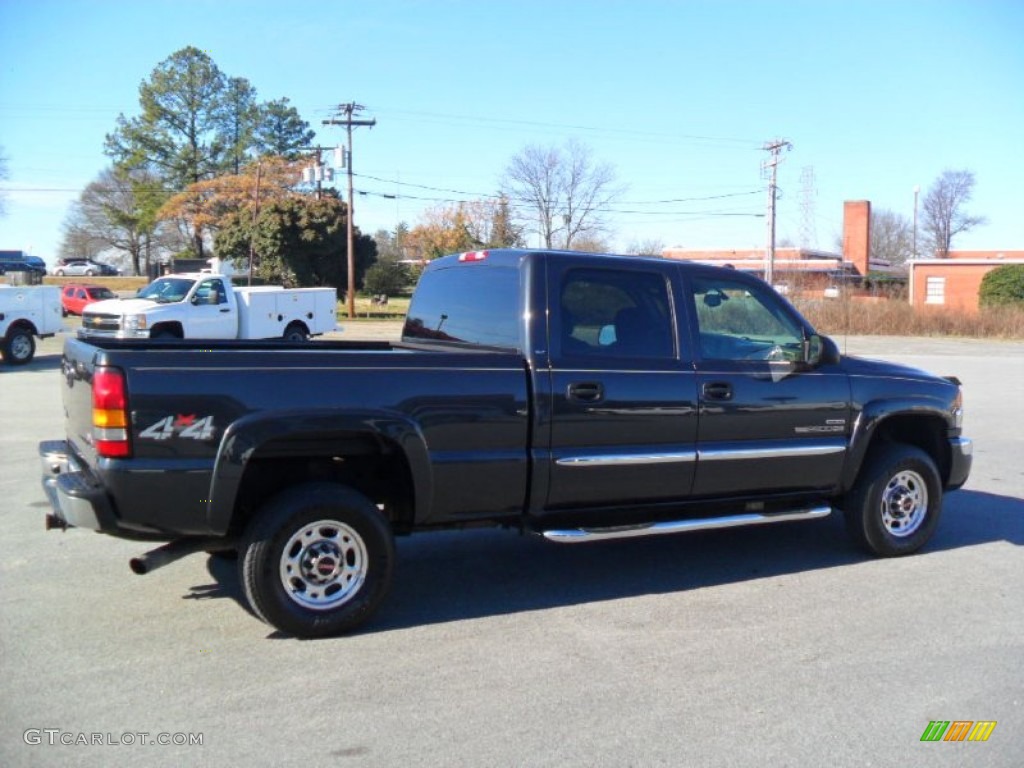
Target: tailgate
<point>77,368</point>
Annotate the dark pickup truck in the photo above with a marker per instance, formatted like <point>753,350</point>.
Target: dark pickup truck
<point>578,396</point>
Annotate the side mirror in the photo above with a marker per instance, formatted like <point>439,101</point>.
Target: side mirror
<point>821,350</point>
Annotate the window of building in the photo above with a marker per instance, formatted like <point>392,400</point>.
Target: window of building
<point>935,290</point>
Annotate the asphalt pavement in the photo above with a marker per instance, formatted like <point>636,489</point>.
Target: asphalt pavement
<point>772,646</point>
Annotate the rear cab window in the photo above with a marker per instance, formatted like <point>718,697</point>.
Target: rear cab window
<point>473,301</point>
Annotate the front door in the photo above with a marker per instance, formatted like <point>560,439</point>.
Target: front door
<point>211,315</point>
<point>767,420</point>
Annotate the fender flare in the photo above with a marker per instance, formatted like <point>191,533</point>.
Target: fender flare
<point>243,438</point>
<point>868,422</point>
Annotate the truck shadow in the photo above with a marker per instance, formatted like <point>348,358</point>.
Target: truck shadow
<point>49,361</point>
<point>454,576</point>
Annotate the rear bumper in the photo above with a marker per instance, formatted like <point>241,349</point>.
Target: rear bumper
<point>75,499</point>
<point>961,457</point>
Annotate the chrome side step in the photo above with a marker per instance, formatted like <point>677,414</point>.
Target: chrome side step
<point>578,535</point>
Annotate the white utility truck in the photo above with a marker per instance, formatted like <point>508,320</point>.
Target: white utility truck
<point>206,306</point>
<point>27,312</point>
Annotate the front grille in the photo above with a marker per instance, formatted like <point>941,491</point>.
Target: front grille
<point>99,322</point>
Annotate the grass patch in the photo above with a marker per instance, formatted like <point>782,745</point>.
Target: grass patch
<point>898,318</point>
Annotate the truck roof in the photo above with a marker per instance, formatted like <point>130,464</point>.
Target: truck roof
<point>515,256</point>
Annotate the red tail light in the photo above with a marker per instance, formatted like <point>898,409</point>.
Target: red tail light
<point>110,413</point>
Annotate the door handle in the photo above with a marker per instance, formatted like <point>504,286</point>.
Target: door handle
<point>718,390</point>
<point>225,310</point>
<point>586,391</point>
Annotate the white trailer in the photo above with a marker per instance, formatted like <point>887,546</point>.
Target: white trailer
<point>25,313</point>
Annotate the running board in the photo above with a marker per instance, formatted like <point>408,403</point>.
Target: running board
<point>577,535</point>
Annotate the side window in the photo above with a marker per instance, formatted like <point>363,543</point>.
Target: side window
<point>741,321</point>
<point>615,313</point>
<point>210,291</point>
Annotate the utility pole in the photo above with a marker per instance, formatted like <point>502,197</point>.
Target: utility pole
<point>771,166</point>
<point>346,117</point>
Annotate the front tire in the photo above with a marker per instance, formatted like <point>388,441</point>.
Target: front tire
<point>19,347</point>
<point>894,506</point>
<point>317,560</point>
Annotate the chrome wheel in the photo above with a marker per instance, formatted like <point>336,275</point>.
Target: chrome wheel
<point>21,347</point>
<point>904,503</point>
<point>323,565</point>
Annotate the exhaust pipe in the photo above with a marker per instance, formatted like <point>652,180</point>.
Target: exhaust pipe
<point>55,523</point>
<point>169,552</point>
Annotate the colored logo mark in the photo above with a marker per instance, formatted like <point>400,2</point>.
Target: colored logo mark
<point>958,730</point>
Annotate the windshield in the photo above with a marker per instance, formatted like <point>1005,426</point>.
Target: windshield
<point>166,290</point>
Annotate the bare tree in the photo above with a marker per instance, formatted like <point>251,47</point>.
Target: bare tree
<point>891,236</point>
<point>943,210</point>
<point>116,211</point>
<point>648,247</point>
<point>563,190</point>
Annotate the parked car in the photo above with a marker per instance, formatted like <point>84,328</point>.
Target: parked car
<point>204,306</point>
<point>86,267</point>
<point>17,261</point>
<point>75,297</point>
<point>583,397</point>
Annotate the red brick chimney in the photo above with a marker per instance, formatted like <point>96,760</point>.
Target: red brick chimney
<point>857,234</point>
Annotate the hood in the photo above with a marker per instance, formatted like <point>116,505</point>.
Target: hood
<point>120,307</point>
<point>863,366</point>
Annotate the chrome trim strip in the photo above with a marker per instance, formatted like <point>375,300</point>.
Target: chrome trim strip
<point>732,454</point>
<point>682,457</point>
<point>579,535</point>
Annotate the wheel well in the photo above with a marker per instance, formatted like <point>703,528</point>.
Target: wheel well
<point>22,325</point>
<point>374,467</point>
<point>173,327</point>
<point>924,432</point>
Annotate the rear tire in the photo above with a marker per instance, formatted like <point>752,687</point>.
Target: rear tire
<point>19,347</point>
<point>317,560</point>
<point>295,332</point>
<point>895,504</point>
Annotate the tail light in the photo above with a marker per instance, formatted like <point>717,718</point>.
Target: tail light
<point>110,413</point>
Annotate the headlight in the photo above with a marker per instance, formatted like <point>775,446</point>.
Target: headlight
<point>135,322</point>
<point>957,409</point>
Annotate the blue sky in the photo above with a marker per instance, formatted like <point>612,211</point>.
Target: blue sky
<point>680,97</point>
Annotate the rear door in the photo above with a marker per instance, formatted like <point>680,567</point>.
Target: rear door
<point>767,421</point>
<point>622,416</point>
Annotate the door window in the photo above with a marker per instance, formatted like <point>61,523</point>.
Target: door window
<point>615,313</point>
<point>210,291</point>
<point>741,321</point>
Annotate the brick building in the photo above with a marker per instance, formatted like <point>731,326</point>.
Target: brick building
<point>808,270</point>
<point>954,282</point>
